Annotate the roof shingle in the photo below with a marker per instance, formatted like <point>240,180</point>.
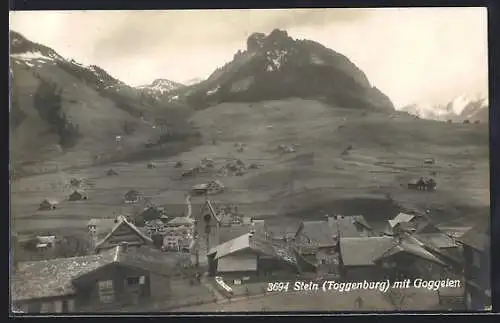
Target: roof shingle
<point>55,277</point>
<point>479,236</point>
<point>364,251</point>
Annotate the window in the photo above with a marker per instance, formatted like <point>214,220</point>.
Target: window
<point>107,298</point>
<point>106,292</point>
<point>47,307</point>
<point>58,306</point>
<point>105,284</point>
<point>136,280</point>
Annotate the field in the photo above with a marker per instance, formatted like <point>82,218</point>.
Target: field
<point>371,179</point>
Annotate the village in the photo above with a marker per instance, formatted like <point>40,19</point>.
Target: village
<point>213,256</point>
<point>287,170</point>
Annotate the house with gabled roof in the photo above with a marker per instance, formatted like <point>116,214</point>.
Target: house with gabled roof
<point>124,231</point>
<point>47,204</point>
<point>385,256</point>
<point>110,280</point>
<point>477,273</point>
<point>77,195</point>
<point>250,255</point>
<point>318,240</point>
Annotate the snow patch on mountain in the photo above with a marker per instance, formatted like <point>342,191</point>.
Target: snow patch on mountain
<point>161,86</point>
<point>213,91</point>
<point>276,59</point>
<point>459,108</point>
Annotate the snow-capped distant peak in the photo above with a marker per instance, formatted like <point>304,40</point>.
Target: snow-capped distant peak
<point>461,107</point>
<point>161,85</point>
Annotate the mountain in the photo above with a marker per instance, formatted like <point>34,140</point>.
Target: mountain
<point>277,66</point>
<point>160,88</point>
<point>65,114</point>
<point>459,109</point>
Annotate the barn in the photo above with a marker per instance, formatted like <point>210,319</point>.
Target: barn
<point>124,231</point>
<point>358,255</point>
<point>132,196</point>
<point>377,257</point>
<point>250,256</point>
<point>47,205</point>
<point>77,196</point>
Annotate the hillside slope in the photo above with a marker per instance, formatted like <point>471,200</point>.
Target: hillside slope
<point>277,66</point>
<point>314,178</point>
<point>383,154</point>
<point>66,114</point>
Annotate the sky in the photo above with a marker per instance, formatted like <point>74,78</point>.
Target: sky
<point>414,55</point>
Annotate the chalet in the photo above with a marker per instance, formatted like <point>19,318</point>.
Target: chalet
<point>477,275</point>
<point>111,172</point>
<point>124,231</point>
<point>409,258</point>
<point>110,280</point>
<point>249,256</point>
<point>429,161</point>
<point>412,223</point>
<point>132,196</point>
<point>44,243</point>
<point>422,184</point>
<point>77,195</point>
<point>318,240</point>
<point>358,255</point>
<point>379,257</point>
<point>47,205</point>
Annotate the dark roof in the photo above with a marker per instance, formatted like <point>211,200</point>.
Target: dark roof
<point>437,240</point>
<point>356,251</point>
<point>414,247</point>
<point>479,236</point>
<point>48,278</point>
<point>319,233</point>
<point>150,213</point>
<point>55,277</point>
<point>322,234</point>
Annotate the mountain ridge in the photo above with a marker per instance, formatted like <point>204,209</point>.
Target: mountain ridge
<point>65,114</point>
<point>277,66</point>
